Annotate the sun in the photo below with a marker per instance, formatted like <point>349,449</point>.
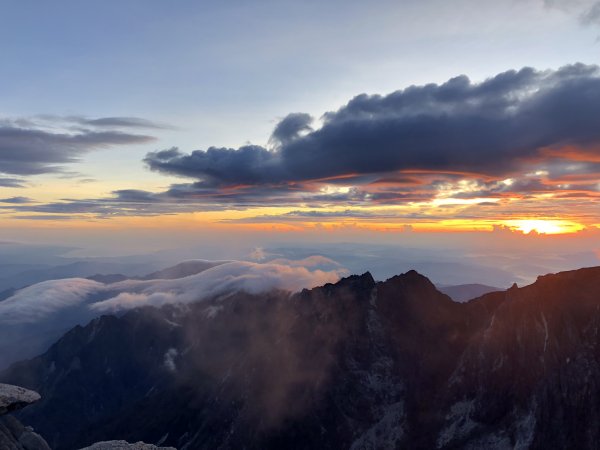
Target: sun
<point>544,226</point>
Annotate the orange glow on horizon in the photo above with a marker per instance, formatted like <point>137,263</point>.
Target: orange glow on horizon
<point>544,226</point>
<point>391,219</point>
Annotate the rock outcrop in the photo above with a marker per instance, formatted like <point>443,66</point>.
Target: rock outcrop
<point>13,398</point>
<point>13,434</point>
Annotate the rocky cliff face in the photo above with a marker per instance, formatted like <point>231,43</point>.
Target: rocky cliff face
<point>530,379</point>
<point>355,365</point>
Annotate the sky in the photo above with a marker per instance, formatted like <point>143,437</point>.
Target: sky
<point>136,124</point>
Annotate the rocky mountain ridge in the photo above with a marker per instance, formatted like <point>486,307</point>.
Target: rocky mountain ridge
<point>356,364</point>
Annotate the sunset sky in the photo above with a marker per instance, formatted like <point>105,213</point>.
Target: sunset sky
<point>304,119</point>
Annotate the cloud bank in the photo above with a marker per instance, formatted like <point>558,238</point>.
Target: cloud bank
<point>37,302</point>
<point>36,316</point>
<point>485,128</point>
<point>227,278</point>
<point>46,299</point>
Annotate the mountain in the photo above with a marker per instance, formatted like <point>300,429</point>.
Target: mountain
<point>183,269</point>
<point>71,270</point>
<point>352,365</point>
<point>7,293</point>
<point>465,292</point>
<point>108,278</point>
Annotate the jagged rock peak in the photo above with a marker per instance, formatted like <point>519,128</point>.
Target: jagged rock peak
<point>570,274</point>
<point>15,397</point>
<point>124,445</point>
<point>366,279</point>
<point>412,277</point>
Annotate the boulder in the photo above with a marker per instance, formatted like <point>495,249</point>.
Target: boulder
<point>30,440</point>
<point>13,435</point>
<point>15,397</point>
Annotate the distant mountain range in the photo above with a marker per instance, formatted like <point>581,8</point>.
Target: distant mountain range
<point>354,365</point>
<point>465,292</point>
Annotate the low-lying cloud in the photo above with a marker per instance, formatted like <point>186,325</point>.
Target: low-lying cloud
<point>36,316</point>
<point>46,299</point>
<point>37,302</point>
<point>227,278</point>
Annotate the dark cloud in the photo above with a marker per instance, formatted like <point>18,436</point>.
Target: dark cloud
<point>313,215</point>
<point>335,216</point>
<point>16,200</point>
<point>489,128</point>
<point>291,127</point>
<point>29,152</point>
<point>518,134</point>
<point>102,208</point>
<point>135,196</point>
<point>29,148</point>
<point>250,164</point>
<point>11,182</point>
<point>44,217</point>
<point>592,15</point>
<point>587,11</point>
<point>119,122</point>
<point>126,202</point>
<point>77,121</point>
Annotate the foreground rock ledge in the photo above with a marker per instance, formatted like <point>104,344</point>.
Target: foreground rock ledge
<point>124,445</point>
<point>13,398</point>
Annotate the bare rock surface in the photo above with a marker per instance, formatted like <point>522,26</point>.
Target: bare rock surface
<point>30,440</point>
<point>13,435</point>
<point>15,397</point>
